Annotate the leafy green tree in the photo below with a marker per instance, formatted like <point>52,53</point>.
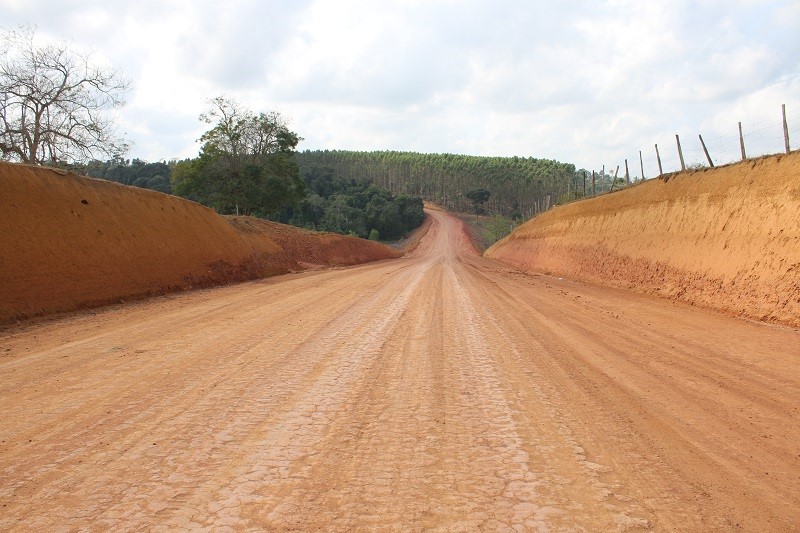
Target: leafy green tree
<point>246,164</point>
<point>478,197</point>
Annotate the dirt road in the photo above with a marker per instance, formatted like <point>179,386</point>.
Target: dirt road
<point>440,391</point>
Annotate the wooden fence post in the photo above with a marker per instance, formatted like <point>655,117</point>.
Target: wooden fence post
<point>603,175</point>
<point>614,181</point>
<point>741,142</point>
<point>641,163</point>
<point>658,157</point>
<point>680,152</point>
<point>627,174</point>
<point>584,184</point>
<point>593,186</point>
<point>710,162</point>
<point>785,128</point>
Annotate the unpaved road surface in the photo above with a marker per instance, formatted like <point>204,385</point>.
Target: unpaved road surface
<point>440,391</point>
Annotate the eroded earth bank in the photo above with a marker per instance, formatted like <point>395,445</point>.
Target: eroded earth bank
<point>726,238</point>
<point>440,391</point>
<point>69,242</point>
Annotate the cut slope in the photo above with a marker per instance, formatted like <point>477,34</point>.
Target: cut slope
<point>726,238</point>
<point>68,241</point>
<point>311,249</point>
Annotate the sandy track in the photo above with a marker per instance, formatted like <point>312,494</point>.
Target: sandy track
<point>436,392</point>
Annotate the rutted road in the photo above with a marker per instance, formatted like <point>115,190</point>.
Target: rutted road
<point>440,391</point>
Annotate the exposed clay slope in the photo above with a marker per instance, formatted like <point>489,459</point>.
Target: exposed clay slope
<point>68,242</point>
<point>726,238</point>
<point>313,249</point>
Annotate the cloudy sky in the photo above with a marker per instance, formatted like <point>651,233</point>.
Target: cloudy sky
<point>585,82</point>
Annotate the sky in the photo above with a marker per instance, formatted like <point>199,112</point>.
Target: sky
<point>584,82</point>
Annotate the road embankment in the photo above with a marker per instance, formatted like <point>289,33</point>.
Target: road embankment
<point>725,238</point>
<point>69,242</point>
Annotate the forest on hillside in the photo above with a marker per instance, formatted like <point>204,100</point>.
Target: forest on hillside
<point>517,185</point>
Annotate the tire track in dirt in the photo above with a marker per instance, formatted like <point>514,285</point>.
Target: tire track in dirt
<point>671,409</point>
<point>273,453</point>
<point>436,392</point>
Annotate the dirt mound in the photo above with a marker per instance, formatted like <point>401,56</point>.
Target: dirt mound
<point>68,242</point>
<point>726,238</point>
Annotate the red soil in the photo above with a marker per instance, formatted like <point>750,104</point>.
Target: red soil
<point>725,238</point>
<point>69,242</point>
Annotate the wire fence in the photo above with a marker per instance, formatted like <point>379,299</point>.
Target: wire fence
<point>764,137</point>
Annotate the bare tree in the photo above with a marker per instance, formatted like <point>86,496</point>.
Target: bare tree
<point>54,102</point>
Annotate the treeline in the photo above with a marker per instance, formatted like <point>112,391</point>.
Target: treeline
<point>155,176</point>
<point>516,184</point>
<point>353,207</point>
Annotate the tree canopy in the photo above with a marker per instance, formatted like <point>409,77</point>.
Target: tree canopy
<point>246,163</point>
<point>136,172</point>
<point>353,207</point>
<point>54,102</point>
<point>478,197</point>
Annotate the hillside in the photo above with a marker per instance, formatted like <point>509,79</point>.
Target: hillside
<point>726,238</point>
<point>68,242</point>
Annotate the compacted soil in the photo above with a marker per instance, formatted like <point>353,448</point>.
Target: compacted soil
<point>440,391</point>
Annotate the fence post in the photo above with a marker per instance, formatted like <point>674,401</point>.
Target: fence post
<point>741,142</point>
<point>785,128</point>
<point>584,184</point>
<point>680,152</point>
<point>614,181</point>
<point>658,157</point>
<point>627,175</point>
<point>593,187</point>
<point>641,163</point>
<point>710,162</point>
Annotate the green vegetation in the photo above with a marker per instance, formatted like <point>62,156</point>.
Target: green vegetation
<point>487,230</point>
<point>353,207</point>
<point>516,184</point>
<point>478,197</point>
<point>246,163</point>
<point>155,176</point>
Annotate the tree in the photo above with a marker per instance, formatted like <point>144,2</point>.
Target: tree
<point>246,163</point>
<point>478,197</point>
<point>54,102</point>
